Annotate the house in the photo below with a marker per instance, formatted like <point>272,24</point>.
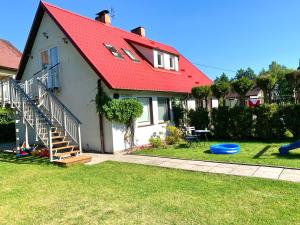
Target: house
<point>9,59</point>
<point>254,97</point>
<point>78,56</point>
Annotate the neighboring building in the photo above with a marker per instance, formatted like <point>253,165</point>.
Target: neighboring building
<point>9,59</point>
<point>92,54</point>
<point>254,97</point>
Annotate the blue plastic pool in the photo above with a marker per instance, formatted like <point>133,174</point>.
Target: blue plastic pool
<point>225,148</point>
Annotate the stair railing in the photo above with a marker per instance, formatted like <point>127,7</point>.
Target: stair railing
<point>60,114</point>
<point>31,114</point>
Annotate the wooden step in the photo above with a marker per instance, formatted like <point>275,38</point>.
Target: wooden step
<point>60,142</point>
<point>66,154</point>
<point>65,147</point>
<point>58,137</point>
<point>73,160</point>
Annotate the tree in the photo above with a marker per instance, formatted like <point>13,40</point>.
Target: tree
<point>200,93</point>
<point>279,72</point>
<point>248,73</point>
<point>293,79</point>
<point>220,89</point>
<point>266,82</point>
<point>223,78</point>
<point>241,86</point>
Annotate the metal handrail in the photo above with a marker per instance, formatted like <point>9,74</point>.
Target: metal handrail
<point>16,85</point>
<point>59,102</point>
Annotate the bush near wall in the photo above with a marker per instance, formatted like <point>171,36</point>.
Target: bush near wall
<point>7,125</point>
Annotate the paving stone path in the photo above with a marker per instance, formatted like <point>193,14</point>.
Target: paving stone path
<point>203,166</point>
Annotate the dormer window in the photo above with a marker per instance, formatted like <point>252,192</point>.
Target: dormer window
<point>131,55</point>
<point>113,51</point>
<point>160,59</point>
<point>172,62</point>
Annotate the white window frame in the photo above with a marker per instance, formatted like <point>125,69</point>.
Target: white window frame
<point>160,54</point>
<point>168,109</point>
<point>172,59</point>
<point>150,112</point>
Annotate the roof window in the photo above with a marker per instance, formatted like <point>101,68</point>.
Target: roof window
<point>131,55</point>
<point>113,51</point>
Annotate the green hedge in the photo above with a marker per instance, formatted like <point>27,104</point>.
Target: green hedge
<point>7,125</point>
<point>199,118</point>
<point>266,122</point>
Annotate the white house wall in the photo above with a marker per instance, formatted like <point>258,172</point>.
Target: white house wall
<point>78,80</point>
<point>142,133</point>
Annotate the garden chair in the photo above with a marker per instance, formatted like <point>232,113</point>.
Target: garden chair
<point>189,135</point>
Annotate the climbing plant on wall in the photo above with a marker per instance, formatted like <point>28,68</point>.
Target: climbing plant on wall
<point>124,111</point>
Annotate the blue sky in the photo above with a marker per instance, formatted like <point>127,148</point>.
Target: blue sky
<point>230,34</point>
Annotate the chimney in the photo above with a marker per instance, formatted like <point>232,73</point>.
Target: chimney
<point>140,31</point>
<point>103,17</point>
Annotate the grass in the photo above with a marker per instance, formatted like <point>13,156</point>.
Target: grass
<point>119,193</point>
<point>251,152</point>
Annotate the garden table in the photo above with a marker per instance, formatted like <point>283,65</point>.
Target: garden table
<point>204,132</point>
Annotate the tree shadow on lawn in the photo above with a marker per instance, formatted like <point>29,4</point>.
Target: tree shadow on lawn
<point>9,157</point>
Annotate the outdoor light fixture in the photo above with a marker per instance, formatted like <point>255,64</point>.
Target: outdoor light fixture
<point>45,34</point>
<point>65,40</point>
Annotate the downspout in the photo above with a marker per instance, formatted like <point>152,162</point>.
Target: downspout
<point>101,123</point>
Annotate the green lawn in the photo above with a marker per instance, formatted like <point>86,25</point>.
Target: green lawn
<point>117,193</point>
<point>251,152</point>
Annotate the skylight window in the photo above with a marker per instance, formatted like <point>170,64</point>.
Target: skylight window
<point>113,51</point>
<point>131,55</point>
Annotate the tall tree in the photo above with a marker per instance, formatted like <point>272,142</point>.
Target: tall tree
<point>221,88</point>
<point>266,82</point>
<point>248,73</point>
<point>241,86</point>
<point>223,78</point>
<point>201,93</point>
<point>279,72</point>
<point>294,80</point>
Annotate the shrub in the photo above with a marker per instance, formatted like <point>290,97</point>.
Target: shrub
<point>198,118</point>
<point>155,142</point>
<point>179,113</point>
<point>290,115</point>
<point>7,125</point>
<point>220,122</point>
<point>240,123</point>
<point>268,123</point>
<point>174,135</point>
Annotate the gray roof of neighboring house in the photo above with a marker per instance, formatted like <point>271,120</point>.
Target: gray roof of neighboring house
<point>253,92</point>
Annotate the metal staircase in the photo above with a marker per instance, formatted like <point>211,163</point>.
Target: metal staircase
<point>53,123</point>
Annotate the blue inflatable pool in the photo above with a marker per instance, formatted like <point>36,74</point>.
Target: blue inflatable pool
<point>225,149</point>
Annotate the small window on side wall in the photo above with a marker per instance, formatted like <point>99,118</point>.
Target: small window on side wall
<point>163,109</point>
<point>146,117</point>
<point>113,51</point>
<point>160,59</point>
<point>172,62</point>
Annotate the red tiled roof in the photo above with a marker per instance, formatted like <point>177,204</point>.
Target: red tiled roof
<point>88,36</point>
<point>9,56</point>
